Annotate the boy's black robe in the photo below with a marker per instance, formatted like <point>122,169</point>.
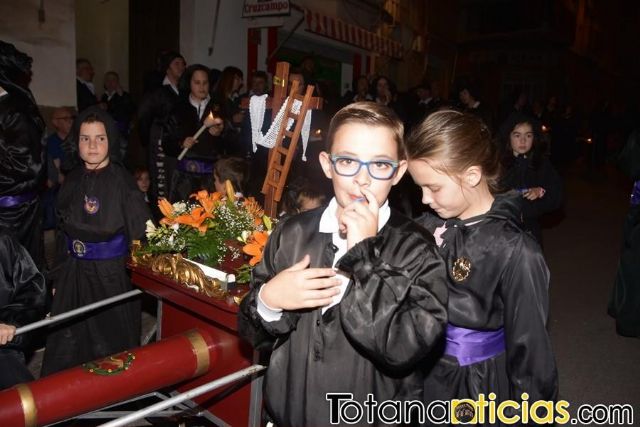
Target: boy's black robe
<point>374,341</point>
<point>121,209</point>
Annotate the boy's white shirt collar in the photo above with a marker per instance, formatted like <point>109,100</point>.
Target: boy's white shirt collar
<point>329,220</point>
<point>328,224</point>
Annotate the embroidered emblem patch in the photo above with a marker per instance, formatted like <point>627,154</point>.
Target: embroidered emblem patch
<point>79,248</point>
<point>461,269</point>
<point>111,365</point>
<point>91,205</point>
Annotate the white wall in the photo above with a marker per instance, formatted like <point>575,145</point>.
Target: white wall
<point>196,30</point>
<point>102,36</point>
<point>51,44</point>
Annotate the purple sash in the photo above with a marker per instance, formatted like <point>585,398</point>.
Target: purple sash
<point>114,248</point>
<point>635,195</point>
<point>195,166</point>
<point>470,346</point>
<point>11,201</point>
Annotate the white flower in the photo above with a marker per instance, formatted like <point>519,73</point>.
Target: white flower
<point>175,226</point>
<point>179,207</point>
<point>151,228</point>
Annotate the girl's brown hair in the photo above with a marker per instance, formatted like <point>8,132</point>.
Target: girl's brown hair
<point>456,141</point>
<point>372,114</point>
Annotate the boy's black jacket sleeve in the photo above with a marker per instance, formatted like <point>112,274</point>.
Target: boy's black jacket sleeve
<point>395,309</point>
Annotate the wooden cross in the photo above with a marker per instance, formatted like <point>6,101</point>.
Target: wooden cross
<point>280,157</point>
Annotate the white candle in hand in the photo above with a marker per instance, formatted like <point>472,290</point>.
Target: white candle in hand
<point>208,122</point>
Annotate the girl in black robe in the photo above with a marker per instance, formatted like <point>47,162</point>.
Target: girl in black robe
<point>528,170</point>
<point>496,340</point>
<point>195,171</point>
<point>100,211</point>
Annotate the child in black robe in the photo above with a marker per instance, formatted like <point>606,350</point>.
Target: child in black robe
<point>527,169</point>
<point>195,170</point>
<point>100,211</point>
<point>353,295</point>
<point>496,339</point>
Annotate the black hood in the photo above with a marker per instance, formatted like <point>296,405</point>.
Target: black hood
<point>507,206</point>
<point>15,71</point>
<point>71,143</point>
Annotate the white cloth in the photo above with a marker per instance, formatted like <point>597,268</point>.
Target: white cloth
<point>257,108</point>
<point>167,82</point>
<point>328,224</point>
<point>200,106</point>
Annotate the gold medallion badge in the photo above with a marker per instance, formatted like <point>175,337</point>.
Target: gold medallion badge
<point>461,269</point>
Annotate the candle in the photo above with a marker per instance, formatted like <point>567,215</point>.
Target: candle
<point>208,122</point>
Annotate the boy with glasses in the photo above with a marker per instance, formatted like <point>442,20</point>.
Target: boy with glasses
<point>354,294</point>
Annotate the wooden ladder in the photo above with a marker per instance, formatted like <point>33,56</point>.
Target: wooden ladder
<point>281,157</point>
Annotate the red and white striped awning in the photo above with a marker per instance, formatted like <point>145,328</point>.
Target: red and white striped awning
<point>337,29</point>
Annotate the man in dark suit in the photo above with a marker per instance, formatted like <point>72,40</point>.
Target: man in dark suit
<point>85,91</point>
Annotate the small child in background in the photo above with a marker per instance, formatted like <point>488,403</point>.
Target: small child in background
<point>143,181</point>
<point>527,169</point>
<point>232,169</point>
<point>301,196</point>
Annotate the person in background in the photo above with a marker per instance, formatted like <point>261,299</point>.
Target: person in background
<point>195,171</point>
<point>259,83</point>
<point>85,89</point>
<point>22,153</point>
<point>153,112</point>
<point>119,104</point>
<point>143,181</point>
<point>22,301</point>
<point>232,169</point>
<point>527,169</point>
<point>62,120</point>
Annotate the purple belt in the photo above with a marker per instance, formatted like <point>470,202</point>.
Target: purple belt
<point>635,194</point>
<point>470,346</point>
<point>114,248</point>
<point>195,166</point>
<point>11,201</point>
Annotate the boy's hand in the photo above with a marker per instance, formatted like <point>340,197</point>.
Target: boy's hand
<point>300,287</point>
<point>359,220</point>
<point>6,333</point>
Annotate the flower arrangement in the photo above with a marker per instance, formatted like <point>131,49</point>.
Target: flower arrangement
<point>213,229</point>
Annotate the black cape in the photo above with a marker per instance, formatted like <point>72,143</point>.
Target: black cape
<point>21,169</point>
<point>373,341</point>
<point>522,174</point>
<point>122,209</point>
<point>507,287</point>
<point>22,301</point>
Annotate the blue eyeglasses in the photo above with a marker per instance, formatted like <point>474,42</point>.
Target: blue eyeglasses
<point>378,169</point>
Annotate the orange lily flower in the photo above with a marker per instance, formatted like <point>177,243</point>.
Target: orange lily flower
<point>258,240</point>
<point>207,200</point>
<point>167,210</point>
<point>195,219</point>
